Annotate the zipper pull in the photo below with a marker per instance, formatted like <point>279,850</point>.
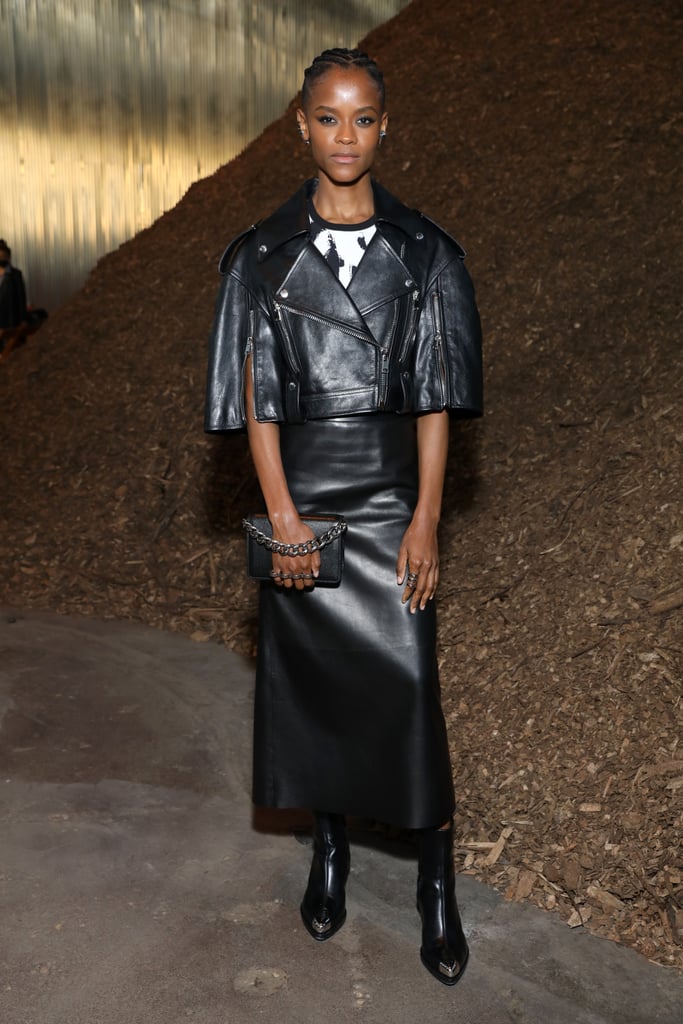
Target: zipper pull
<point>250,339</point>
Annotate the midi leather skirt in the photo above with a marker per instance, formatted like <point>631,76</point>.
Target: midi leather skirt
<point>348,713</point>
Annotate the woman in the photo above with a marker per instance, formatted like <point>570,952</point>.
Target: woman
<point>345,333</point>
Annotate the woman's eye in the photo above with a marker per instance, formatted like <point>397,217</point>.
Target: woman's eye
<point>366,121</point>
<point>326,119</point>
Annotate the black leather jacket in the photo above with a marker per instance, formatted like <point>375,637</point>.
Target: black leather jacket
<point>403,337</point>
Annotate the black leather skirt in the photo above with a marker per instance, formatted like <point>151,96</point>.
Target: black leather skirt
<point>348,714</point>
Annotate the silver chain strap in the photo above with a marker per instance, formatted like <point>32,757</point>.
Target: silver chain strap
<point>306,547</point>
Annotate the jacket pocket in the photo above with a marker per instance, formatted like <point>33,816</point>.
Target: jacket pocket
<point>292,385</point>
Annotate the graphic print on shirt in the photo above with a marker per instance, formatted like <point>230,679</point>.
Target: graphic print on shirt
<point>345,263</point>
<point>343,246</point>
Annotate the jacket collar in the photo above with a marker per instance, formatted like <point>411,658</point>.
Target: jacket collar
<point>291,219</point>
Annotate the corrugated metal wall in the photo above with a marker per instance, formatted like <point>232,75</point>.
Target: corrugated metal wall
<point>110,109</point>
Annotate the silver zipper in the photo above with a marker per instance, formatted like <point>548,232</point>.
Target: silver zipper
<point>410,327</point>
<point>392,331</point>
<point>383,380</point>
<point>247,352</point>
<point>383,386</point>
<point>438,343</point>
<point>287,341</point>
<point>325,321</point>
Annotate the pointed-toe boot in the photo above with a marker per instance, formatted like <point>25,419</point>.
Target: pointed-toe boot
<point>323,908</point>
<point>444,950</point>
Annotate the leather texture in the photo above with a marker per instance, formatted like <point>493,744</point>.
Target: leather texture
<point>444,950</point>
<point>347,711</point>
<point>323,908</point>
<point>403,337</point>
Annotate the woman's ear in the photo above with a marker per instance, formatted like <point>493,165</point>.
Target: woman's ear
<point>384,121</point>
<point>302,124</point>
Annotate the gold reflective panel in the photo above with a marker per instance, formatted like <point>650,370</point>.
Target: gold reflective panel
<point>111,109</point>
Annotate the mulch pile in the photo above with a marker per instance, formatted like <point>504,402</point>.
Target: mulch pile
<point>548,139</point>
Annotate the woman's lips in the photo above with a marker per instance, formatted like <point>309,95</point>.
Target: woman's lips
<point>344,158</point>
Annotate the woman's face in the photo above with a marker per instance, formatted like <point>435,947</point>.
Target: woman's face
<point>342,121</point>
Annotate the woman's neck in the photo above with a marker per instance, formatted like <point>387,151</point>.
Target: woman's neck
<point>344,204</point>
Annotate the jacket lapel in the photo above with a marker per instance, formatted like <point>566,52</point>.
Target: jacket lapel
<point>301,277</point>
<point>311,286</point>
<point>380,277</point>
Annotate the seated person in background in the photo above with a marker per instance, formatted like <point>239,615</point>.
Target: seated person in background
<point>12,291</point>
<point>17,320</point>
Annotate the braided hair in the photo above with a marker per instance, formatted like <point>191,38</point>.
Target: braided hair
<point>341,58</point>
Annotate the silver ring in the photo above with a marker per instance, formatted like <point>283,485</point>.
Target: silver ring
<point>275,575</point>
<point>411,580</point>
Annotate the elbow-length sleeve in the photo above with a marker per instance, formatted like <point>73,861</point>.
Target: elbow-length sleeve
<point>229,345</point>
<point>447,371</point>
<point>242,327</point>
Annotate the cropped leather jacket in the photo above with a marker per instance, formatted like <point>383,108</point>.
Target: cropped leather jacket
<point>403,337</point>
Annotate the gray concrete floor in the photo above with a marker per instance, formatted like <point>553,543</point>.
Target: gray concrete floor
<point>138,886</point>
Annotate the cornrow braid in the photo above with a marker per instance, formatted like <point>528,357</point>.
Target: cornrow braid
<point>341,58</point>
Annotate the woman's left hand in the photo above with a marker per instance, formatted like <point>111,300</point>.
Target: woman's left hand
<point>417,565</point>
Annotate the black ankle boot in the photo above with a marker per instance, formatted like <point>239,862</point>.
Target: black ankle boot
<point>444,949</point>
<point>323,908</point>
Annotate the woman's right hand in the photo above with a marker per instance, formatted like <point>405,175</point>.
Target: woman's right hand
<point>298,571</point>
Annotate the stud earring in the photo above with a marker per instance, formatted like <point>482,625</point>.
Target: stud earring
<point>307,142</point>
<point>382,137</point>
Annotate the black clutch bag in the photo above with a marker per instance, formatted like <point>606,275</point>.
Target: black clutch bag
<point>329,533</point>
